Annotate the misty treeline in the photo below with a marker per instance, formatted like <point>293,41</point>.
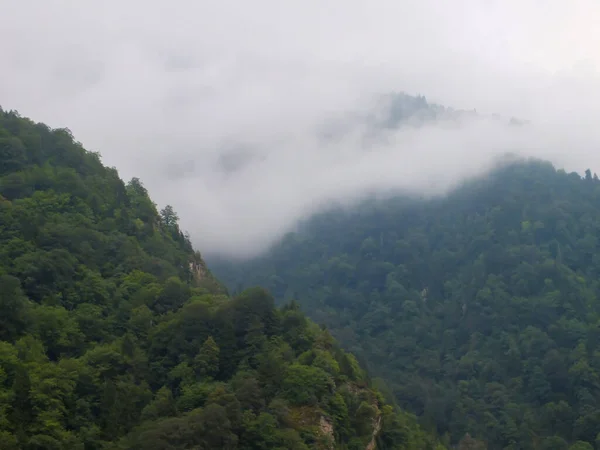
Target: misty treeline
<point>480,309</point>
<point>115,335</point>
<point>398,110</point>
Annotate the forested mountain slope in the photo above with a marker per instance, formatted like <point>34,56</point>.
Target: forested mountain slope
<point>114,335</point>
<point>481,309</point>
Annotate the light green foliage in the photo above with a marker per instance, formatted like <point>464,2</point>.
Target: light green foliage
<point>306,385</point>
<point>580,445</point>
<point>115,335</point>
<point>163,405</point>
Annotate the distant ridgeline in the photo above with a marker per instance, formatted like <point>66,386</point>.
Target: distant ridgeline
<point>397,110</point>
<point>115,335</point>
<point>480,309</point>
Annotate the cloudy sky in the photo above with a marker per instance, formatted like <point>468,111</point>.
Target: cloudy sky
<point>215,104</point>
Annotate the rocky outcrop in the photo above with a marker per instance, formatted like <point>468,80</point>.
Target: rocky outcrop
<point>326,430</point>
<point>202,277</point>
<point>376,429</point>
<point>198,269</point>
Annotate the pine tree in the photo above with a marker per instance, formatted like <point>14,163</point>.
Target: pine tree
<point>206,362</point>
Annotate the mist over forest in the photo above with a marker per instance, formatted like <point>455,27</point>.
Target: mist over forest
<point>337,225</point>
<point>248,118</point>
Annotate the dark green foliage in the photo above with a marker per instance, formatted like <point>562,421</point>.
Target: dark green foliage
<point>12,308</point>
<point>114,334</point>
<point>480,309</point>
<point>306,385</point>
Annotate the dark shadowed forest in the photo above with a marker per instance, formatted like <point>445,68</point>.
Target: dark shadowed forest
<point>480,309</point>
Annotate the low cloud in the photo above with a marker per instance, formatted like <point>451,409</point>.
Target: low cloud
<point>248,116</point>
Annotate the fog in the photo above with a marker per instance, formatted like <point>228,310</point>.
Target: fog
<point>219,106</point>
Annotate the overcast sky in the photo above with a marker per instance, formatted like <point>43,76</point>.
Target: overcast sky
<point>172,91</point>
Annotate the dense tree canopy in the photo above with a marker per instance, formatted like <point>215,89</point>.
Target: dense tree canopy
<point>480,309</point>
<point>114,334</point>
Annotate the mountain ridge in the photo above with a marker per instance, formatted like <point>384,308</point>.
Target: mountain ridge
<point>114,333</point>
<point>479,308</point>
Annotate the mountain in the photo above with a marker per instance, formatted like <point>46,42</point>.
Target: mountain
<point>396,110</point>
<point>115,335</point>
<point>369,124</point>
<point>480,309</point>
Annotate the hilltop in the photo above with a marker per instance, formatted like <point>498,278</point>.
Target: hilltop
<point>115,335</point>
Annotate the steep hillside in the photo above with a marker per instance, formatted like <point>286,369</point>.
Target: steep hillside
<point>114,334</point>
<point>480,309</point>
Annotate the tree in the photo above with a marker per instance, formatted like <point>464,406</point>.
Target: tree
<point>206,362</point>
<point>468,443</point>
<point>12,308</point>
<point>163,405</point>
<point>581,445</point>
<point>305,385</point>
<point>169,217</point>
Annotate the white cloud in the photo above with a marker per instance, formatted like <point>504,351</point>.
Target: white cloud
<point>176,92</point>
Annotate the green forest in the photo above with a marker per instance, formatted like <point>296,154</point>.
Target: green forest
<point>115,335</point>
<point>480,309</point>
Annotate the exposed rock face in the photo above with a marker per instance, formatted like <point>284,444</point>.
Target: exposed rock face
<point>326,428</point>
<point>198,270</point>
<point>327,431</point>
<point>376,428</point>
<point>202,277</point>
<point>372,445</point>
